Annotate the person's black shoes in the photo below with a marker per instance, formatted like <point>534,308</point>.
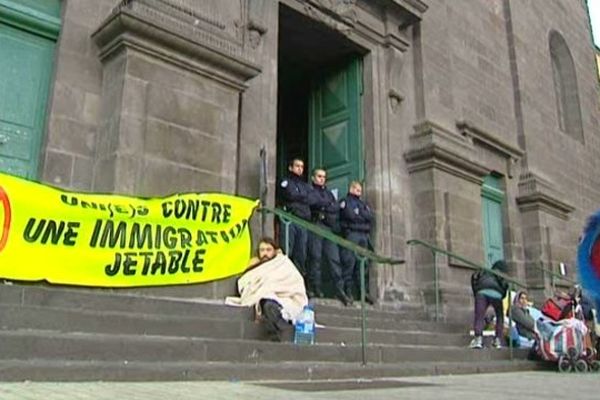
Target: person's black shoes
<point>347,301</point>
<point>281,331</point>
<point>369,299</point>
<point>349,294</point>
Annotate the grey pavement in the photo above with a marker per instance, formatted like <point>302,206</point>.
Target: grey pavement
<point>522,385</point>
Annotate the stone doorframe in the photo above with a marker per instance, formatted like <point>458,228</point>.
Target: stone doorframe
<point>385,41</point>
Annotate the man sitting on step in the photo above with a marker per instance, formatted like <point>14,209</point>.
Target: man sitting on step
<point>273,285</point>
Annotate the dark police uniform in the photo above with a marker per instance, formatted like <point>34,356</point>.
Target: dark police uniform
<point>356,219</point>
<point>324,213</point>
<point>294,194</point>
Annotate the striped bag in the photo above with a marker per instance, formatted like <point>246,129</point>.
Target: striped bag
<point>556,340</point>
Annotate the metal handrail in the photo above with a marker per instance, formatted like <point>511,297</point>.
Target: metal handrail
<point>327,234</point>
<point>554,276</point>
<point>471,265</point>
<point>361,253</point>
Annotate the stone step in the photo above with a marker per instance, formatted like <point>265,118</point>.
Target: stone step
<point>64,333</point>
<point>115,300</point>
<point>68,370</point>
<point>390,337</point>
<point>90,321</point>
<point>29,344</point>
<point>118,322</point>
<point>334,307</point>
<point>392,324</point>
<point>100,300</point>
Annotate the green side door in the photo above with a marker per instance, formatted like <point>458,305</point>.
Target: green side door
<point>28,32</point>
<point>335,137</point>
<point>492,197</point>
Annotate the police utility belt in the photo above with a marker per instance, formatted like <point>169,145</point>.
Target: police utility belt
<point>319,217</point>
<point>292,210</point>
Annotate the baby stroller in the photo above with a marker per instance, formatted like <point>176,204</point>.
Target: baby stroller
<point>563,336</point>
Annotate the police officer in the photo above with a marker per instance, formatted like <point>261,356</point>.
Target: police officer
<point>324,213</point>
<point>356,219</point>
<point>294,197</point>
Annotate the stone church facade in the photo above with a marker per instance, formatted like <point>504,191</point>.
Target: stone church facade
<point>473,124</point>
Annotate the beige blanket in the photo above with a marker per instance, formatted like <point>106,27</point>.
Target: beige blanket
<point>277,279</point>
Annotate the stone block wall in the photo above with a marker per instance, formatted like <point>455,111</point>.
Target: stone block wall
<point>168,133</point>
<point>75,97</point>
<point>562,161</point>
<point>466,69</point>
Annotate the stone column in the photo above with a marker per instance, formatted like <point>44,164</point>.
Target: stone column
<point>172,83</point>
<point>172,79</point>
<point>546,237</point>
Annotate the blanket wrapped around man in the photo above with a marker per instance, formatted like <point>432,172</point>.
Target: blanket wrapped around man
<point>277,279</point>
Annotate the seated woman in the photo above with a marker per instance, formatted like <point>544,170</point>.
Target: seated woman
<point>520,314</point>
<point>273,285</point>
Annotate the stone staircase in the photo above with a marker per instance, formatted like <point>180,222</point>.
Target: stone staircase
<point>66,334</point>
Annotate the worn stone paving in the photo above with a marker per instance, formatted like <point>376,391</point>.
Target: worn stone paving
<point>522,386</point>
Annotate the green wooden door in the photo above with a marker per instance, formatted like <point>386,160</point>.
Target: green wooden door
<point>28,32</point>
<point>492,197</point>
<point>335,141</point>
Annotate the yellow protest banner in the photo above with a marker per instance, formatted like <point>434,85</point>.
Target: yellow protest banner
<point>118,241</point>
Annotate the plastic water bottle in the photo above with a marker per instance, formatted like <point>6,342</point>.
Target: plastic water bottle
<point>305,327</point>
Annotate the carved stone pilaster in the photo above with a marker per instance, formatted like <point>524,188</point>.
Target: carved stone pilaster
<point>432,146</point>
<point>479,137</point>
<point>545,217</point>
<point>183,36</point>
<point>171,83</point>
<point>538,194</point>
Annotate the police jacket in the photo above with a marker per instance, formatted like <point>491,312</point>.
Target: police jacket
<point>355,215</point>
<point>485,280</point>
<point>324,207</point>
<point>294,196</point>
